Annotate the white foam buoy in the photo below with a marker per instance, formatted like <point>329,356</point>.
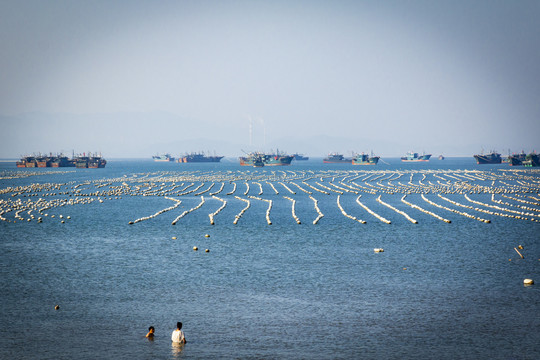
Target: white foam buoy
<point>377,250</point>
<point>528,282</point>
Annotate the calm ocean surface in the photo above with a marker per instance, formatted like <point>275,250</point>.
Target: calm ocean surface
<point>282,291</point>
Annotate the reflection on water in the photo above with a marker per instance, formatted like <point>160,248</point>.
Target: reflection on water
<point>176,349</point>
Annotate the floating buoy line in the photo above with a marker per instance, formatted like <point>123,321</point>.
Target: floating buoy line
<point>301,188</point>
<point>270,202</point>
<point>260,188</point>
<point>178,202</point>
<point>211,216</point>
<point>248,204</point>
<point>424,210</point>
<point>397,210</point>
<point>372,212</point>
<point>233,190</point>
<point>512,194</point>
<point>346,214</point>
<point>293,210</point>
<point>320,214</point>
<point>217,192</point>
<point>287,188</point>
<point>316,189</point>
<point>188,211</point>
<point>273,187</point>
<point>453,210</point>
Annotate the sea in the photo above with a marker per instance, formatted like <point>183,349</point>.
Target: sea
<point>309,261</point>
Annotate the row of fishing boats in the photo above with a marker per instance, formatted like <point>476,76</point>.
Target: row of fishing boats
<point>517,159</point>
<point>275,158</point>
<point>188,158</point>
<point>90,161</point>
<point>365,159</point>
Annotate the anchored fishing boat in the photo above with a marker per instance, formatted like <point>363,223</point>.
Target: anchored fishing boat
<point>198,158</point>
<point>259,159</point>
<point>414,157</point>
<point>43,161</point>
<point>335,158</point>
<point>491,158</point>
<point>164,157</point>
<point>299,157</point>
<point>365,159</point>
<point>517,159</point>
<point>255,159</point>
<point>532,160</point>
<point>89,162</point>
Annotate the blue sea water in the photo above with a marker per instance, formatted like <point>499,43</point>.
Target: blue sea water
<point>280,291</point>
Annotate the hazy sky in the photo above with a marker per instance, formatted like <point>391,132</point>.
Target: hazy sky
<point>132,78</point>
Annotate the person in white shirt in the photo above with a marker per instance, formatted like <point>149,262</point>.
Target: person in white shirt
<point>178,334</point>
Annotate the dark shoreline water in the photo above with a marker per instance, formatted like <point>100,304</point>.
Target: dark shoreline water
<point>446,291</point>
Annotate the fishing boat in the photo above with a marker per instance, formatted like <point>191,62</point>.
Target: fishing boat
<point>277,159</point>
<point>43,161</point>
<point>164,157</point>
<point>491,158</point>
<point>255,159</point>
<point>335,158</point>
<point>198,158</point>
<point>96,162</point>
<point>26,161</point>
<point>62,161</point>
<point>532,160</point>
<point>414,157</point>
<point>259,159</point>
<point>517,159</point>
<point>89,162</point>
<point>299,157</point>
<point>365,159</point>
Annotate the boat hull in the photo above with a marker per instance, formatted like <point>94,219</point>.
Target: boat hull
<point>54,161</point>
<point>532,160</point>
<point>163,158</point>
<point>335,158</point>
<point>260,159</point>
<point>277,160</point>
<point>493,158</point>
<point>365,160</point>
<point>414,157</point>
<point>204,159</point>
<point>344,161</point>
<point>250,161</point>
<point>299,157</point>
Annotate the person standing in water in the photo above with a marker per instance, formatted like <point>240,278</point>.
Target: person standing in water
<point>178,334</point>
